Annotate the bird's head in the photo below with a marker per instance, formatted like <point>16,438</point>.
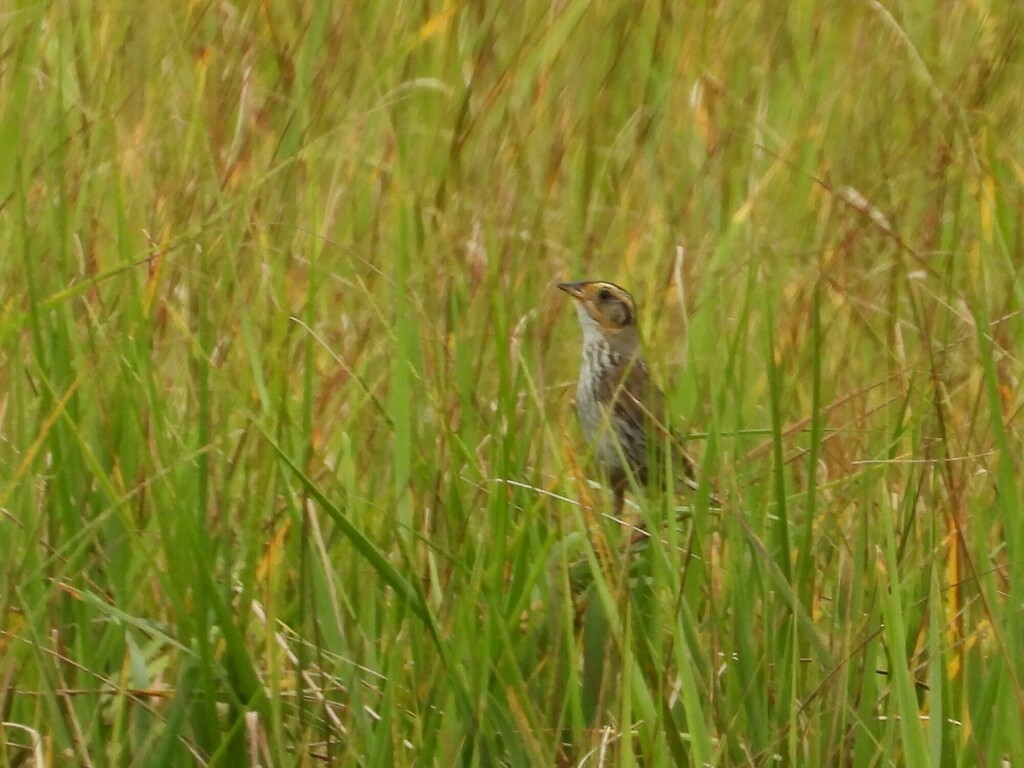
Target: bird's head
<point>605,310</point>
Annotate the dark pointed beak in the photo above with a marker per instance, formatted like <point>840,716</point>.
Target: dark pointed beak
<point>573,289</point>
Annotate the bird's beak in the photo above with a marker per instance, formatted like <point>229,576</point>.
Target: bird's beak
<point>573,289</point>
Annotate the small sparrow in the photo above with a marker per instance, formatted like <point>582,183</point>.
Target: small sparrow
<point>621,410</point>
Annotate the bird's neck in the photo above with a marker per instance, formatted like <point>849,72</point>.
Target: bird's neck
<point>602,350</point>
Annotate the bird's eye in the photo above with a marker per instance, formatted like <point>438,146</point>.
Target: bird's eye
<point>604,295</point>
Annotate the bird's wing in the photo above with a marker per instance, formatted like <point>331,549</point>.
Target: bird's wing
<point>636,397</point>
<point>638,401</point>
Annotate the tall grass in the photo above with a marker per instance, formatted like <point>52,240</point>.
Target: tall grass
<point>290,471</point>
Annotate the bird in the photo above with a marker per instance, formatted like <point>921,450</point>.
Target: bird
<point>621,410</point>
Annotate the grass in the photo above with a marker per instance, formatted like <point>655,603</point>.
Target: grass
<point>291,470</point>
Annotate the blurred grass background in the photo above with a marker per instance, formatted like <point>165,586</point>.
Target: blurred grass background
<point>290,469</point>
